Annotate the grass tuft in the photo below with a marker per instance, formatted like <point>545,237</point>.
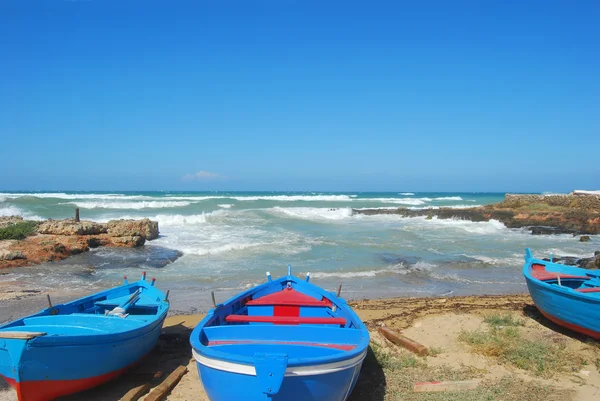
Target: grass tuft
<point>542,357</point>
<point>19,230</point>
<point>507,319</point>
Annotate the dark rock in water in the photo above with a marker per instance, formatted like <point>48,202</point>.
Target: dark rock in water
<point>147,257</point>
<point>584,238</point>
<point>585,263</point>
<point>545,230</point>
<point>96,242</point>
<point>565,260</point>
<point>394,259</point>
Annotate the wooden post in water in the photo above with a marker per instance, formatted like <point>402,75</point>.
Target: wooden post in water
<point>76,214</point>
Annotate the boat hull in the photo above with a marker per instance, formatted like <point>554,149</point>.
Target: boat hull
<point>327,383</point>
<point>48,372</point>
<point>574,311</point>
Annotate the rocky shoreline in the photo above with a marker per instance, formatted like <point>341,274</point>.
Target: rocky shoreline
<point>576,214</point>
<point>54,240</point>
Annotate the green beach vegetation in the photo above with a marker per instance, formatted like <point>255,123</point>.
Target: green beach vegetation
<point>402,370</point>
<point>19,230</point>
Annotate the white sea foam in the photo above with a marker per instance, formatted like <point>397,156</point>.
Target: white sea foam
<point>501,261</point>
<point>226,206</point>
<point>475,227</point>
<point>402,201</point>
<point>312,213</point>
<point>377,208</point>
<point>10,211</point>
<point>407,193</point>
<point>165,219</point>
<point>62,195</point>
<point>448,198</point>
<point>130,205</point>
<point>15,211</point>
<point>400,268</point>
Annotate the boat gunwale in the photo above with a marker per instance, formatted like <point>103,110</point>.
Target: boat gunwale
<point>212,353</point>
<point>562,290</point>
<point>59,340</point>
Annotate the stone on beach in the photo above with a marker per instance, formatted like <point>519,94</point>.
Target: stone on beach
<point>11,255</point>
<point>71,227</point>
<point>145,228</point>
<point>6,221</point>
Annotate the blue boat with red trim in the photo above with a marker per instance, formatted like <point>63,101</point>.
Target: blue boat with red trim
<point>286,339</point>
<point>569,296</point>
<point>72,347</point>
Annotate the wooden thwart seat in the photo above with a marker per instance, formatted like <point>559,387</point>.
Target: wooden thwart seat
<point>285,319</point>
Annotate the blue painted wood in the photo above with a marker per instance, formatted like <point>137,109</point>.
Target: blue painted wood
<point>563,303</point>
<point>81,341</point>
<point>322,362</point>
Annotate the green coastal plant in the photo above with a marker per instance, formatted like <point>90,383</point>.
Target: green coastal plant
<point>507,319</point>
<point>540,356</point>
<point>19,230</point>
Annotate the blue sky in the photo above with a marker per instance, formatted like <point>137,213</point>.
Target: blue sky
<point>300,95</point>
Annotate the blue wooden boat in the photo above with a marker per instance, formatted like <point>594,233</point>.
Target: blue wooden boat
<point>569,296</point>
<point>72,347</point>
<point>286,339</point>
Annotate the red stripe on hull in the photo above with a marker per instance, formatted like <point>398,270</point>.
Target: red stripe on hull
<point>46,390</point>
<point>574,327</point>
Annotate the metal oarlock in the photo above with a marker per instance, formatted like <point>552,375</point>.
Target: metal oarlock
<point>212,295</point>
<point>334,307</point>
<point>167,296</point>
<point>49,301</point>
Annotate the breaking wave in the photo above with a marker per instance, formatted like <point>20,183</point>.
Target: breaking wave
<point>312,213</point>
<point>131,205</point>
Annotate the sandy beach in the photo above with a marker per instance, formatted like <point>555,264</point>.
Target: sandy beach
<point>390,372</point>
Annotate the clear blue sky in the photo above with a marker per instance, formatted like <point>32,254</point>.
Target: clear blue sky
<point>444,95</point>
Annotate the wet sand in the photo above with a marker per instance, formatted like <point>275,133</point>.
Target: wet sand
<point>434,322</point>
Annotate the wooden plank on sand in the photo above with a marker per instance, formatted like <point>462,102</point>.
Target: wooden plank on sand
<point>21,335</point>
<point>402,341</point>
<point>135,393</point>
<point>167,385</point>
<point>446,386</point>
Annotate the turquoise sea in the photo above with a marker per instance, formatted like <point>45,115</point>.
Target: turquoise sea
<point>226,241</point>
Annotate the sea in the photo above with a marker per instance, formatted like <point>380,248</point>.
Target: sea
<point>227,241</point>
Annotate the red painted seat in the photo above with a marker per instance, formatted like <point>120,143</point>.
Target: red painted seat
<point>289,297</point>
<point>539,271</point>
<point>285,319</point>
<point>590,289</point>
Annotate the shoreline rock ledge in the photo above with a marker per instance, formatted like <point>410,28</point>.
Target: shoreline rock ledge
<point>53,240</point>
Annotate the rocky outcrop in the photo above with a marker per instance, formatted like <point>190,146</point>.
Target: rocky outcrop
<point>71,227</point>
<point>128,241</point>
<point>542,214</point>
<point>57,239</point>
<point>582,201</point>
<point>144,228</point>
<point>6,221</point>
<point>11,255</point>
<point>592,263</point>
